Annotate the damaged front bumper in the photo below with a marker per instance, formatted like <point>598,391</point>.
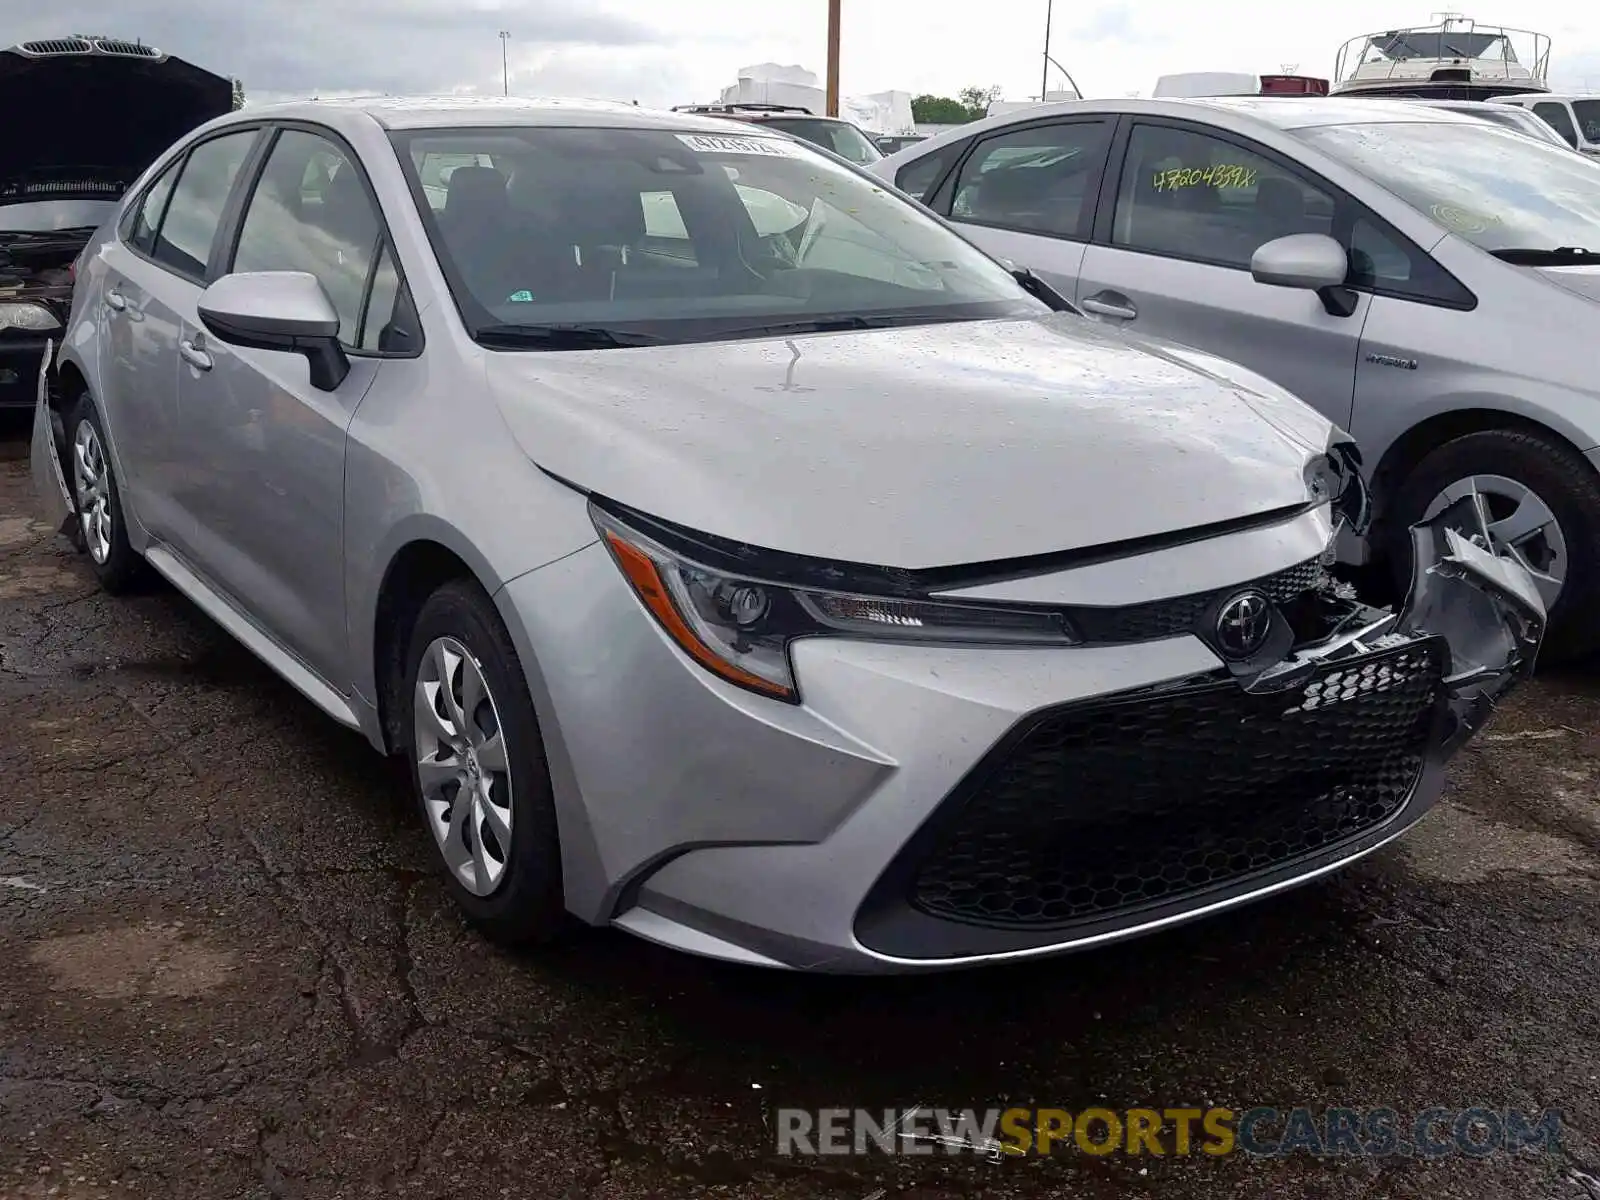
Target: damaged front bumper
<point>1484,608</point>
<point>50,489</point>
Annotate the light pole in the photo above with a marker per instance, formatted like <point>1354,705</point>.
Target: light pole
<point>505,71</point>
<point>1044,77</point>
<point>832,94</point>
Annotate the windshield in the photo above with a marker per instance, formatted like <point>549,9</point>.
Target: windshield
<point>45,216</point>
<point>1498,190</point>
<point>1588,114</point>
<point>682,237</point>
<point>843,138</point>
<point>1515,118</point>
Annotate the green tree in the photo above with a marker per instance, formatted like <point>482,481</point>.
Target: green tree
<point>238,94</point>
<point>977,100</point>
<point>973,102</point>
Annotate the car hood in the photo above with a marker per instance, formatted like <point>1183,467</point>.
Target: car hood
<point>78,113</point>
<point>1580,281</point>
<point>914,447</point>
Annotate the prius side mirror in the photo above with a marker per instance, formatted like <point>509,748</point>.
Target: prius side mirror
<point>1311,262</point>
<point>278,310</point>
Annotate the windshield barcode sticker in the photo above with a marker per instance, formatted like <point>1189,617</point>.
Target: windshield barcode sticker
<point>713,143</point>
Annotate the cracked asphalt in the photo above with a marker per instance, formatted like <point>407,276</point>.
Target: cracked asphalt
<point>228,970</point>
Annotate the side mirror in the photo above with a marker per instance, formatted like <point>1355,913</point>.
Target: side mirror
<point>1311,262</point>
<point>278,310</point>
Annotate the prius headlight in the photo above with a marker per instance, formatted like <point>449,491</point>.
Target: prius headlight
<point>31,318</point>
<point>739,628</point>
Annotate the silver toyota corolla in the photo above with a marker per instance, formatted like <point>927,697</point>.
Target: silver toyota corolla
<point>738,556</point>
<point>1427,281</point>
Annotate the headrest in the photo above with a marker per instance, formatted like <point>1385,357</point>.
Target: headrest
<point>1280,198</point>
<point>474,193</point>
<point>345,207</point>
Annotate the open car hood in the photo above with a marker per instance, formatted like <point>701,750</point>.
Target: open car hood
<point>87,116</point>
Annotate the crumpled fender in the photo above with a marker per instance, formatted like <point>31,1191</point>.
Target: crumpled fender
<point>49,474</point>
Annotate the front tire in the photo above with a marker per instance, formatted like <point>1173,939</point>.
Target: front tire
<point>478,768</point>
<point>1542,505</point>
<point>97,497</point>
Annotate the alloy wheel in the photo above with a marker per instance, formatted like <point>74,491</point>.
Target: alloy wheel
<point>462,767</point>
<point>1514,522</point>
<point>91,481</point>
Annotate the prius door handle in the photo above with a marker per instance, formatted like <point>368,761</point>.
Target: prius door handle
<point>1110,304</point>
<point>194,354</point>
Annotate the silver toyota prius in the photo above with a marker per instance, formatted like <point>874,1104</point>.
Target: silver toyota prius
<point>737,555</point>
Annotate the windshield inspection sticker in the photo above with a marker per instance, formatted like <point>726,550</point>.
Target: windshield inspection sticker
<point>713,143</point>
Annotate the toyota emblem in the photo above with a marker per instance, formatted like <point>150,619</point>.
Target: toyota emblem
<point>1243,624</point>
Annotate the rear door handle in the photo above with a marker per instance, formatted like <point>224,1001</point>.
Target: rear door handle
<point>1110,304</point>
<point>114,300</point>
<point>194,355</point>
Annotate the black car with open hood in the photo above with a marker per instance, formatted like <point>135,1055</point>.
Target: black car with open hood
<point>86,116</point>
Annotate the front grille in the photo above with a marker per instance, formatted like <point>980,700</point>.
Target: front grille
<point>1117,805</point>
<point>1180,614</point>
<point>57,46</point>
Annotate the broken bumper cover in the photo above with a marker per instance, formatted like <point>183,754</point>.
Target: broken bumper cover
<point>1122,811</point>
<point>49,436</point>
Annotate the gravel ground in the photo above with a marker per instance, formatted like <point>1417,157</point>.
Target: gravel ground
<point>227,970</point>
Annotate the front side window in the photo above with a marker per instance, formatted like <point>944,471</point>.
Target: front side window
<point>195,210</point>
<point>1040,179</point>
<point>685,237</point>
<point>1500,191</point>
<point>1190,195</point>
<point>1556,116</point>
<point>1588,114</point>
<point>310,212</point>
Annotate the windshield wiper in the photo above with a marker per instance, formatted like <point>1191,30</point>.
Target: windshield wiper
<point>833,324</point>
<point>1523,256</point>
<point>561,337</point>
<point>1040,290</point>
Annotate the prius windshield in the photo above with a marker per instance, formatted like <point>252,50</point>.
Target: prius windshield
<point>566,238</point>
<point>1494,188</point>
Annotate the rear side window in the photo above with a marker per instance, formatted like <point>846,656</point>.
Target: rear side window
<point>195,210</point>
<point>1041,179</point>
<point>1558,118</point>
<point>919,178</point>
<point>144,218</point>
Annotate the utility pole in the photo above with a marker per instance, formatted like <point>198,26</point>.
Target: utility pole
<point>833,58</point>
<point>1044,76</point>
<point>505,70</point>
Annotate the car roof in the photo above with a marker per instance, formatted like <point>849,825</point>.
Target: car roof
<point>1283,113</point>
<point>444,112</point>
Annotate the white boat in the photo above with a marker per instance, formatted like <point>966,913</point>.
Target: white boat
<point>1455,59</point>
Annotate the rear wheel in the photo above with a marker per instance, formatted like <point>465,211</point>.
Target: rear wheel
<point>98,500</point>
<point>478,768</point>
<point>1538,502</point>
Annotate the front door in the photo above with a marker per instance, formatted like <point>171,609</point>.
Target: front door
<point>1191,209</point>
<point>270,511</point>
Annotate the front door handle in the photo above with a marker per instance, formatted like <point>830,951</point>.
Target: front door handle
<point>194,354</point>
<point>1110,304</point>
<point>114,300</point>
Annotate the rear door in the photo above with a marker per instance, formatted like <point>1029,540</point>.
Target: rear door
<point>1028,193</point>
<point>154,272</point>
<point>1171,258</point>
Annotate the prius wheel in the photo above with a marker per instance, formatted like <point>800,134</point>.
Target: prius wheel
<point>478,767</point>
<point>98,500</point>
<point>1537,502</point>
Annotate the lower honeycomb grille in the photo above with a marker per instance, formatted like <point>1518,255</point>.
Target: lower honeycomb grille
<point>1114,806</point>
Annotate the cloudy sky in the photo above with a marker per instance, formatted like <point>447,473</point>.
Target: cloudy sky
<point>677,51</point>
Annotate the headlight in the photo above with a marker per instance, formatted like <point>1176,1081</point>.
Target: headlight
<point>739,628</point>
<point>33,317</point>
